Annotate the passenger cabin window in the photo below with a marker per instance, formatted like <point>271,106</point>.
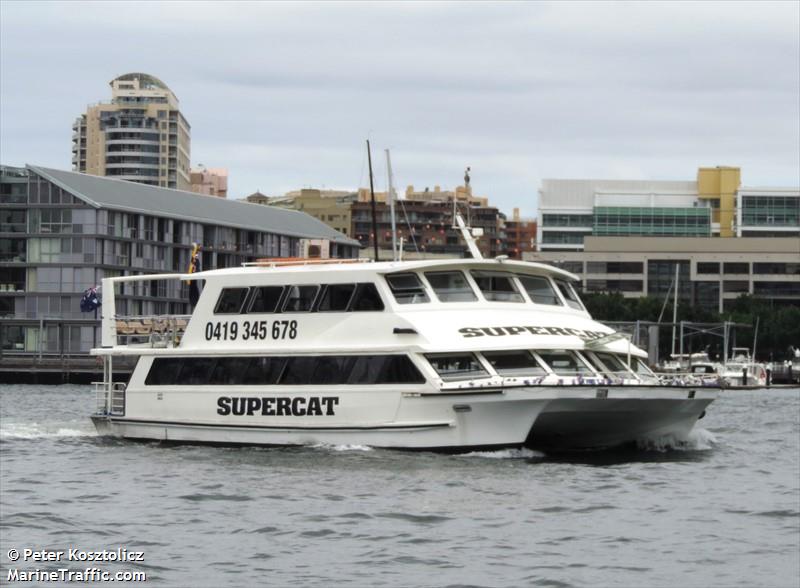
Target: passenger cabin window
<point>540,290</point>
<point>288,371</point>
<point>564,363</point>
<point>322,370</point>
<point>300,298</point>
<point>336,297</point>
<point>266,299</point>
<point>366,299</point>
<point>497,286</point>
<point>385,369</point>
<point>462,366</point>
<point>514,363</point>
<point>569,294</point>
<point>407,289</point>
<point>230,300</point>
<point>451,286</point>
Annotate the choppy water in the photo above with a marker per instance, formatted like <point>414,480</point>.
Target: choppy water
<point>722,510</point>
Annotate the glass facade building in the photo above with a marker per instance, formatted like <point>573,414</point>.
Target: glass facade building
<point>61,234</point>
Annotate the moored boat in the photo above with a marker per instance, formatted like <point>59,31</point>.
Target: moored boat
<point>453,355</point>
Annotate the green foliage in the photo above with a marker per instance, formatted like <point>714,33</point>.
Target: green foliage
<point>778,328</point>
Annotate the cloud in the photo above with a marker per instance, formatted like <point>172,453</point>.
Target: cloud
<point>284,94</point>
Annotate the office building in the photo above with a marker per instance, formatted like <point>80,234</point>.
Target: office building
<point>140,135</point>
<point>628,236</point>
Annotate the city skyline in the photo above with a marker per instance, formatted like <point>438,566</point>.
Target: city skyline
<point>283,95</point>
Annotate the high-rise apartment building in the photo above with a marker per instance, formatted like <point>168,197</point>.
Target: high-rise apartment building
<point>139,136</point>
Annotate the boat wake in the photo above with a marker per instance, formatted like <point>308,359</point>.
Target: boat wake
<point>330,447</point>
<point>523,453</point>
<point>697,440</point>
<point>43,431</point>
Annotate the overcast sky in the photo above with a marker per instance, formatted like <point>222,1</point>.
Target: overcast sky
<point>284,95</point>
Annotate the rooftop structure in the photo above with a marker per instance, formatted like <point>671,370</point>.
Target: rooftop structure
<point>140,135</point>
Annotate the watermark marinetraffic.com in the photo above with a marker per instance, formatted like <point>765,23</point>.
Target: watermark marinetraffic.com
<point>73,556</point>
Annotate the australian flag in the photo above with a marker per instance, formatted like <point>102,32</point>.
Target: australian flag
<point>90,301</point>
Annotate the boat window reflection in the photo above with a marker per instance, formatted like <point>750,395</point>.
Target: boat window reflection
<point>230,300</point>
<point>288,371</point>
<point>539,290</point>
<point>451,286</point>
<point>461,366</point>
<point>569,294</point>
<point>266,299</point>
<point>300,298</point>
<point>407,288</point>
<point>336,297</point>
<point>514,363</point>
<point>366,299</point>
<point>497,286</point>
<point>564,363</point>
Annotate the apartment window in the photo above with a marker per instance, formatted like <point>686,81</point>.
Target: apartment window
<point>736,268</point>
<point>707,267</point>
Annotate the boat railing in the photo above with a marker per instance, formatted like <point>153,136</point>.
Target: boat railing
<point>110,398</point>
<point>283,261</point>
<point>150,330</point>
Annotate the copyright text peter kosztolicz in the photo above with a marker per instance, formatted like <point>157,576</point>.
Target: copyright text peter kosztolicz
<point>71,557</point>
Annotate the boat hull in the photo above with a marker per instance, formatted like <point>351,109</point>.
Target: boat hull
<point>561,418</point>
<point>591,423</point>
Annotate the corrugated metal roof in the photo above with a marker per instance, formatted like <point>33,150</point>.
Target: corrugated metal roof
<point>121,195</point>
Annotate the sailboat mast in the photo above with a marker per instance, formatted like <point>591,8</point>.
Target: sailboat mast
<point>675,308</point>
<point>391,207</point>
<point>372,199</point>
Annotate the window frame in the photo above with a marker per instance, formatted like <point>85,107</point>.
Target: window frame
<point>241,303</point>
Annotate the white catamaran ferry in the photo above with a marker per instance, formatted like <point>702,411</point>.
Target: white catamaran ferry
<point>452,355</point>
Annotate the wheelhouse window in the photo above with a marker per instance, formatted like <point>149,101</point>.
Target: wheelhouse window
<point>451,286</point>
<point>497,286</point>
<point>407,289</point>
<point>366,299</point>
<point>230,300</point>
<point>540,290</point>
<point>300,298</point>
<point>640,368</point>
<point>612,363</point>
<point>336,297</point>
<point>462,366</point>
<point>569,294</point>
<point>564,363</point>
<point>266,299</point>
<point>514,363</point>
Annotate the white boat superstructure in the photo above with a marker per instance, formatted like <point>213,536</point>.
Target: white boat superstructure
<point>453,355</point>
